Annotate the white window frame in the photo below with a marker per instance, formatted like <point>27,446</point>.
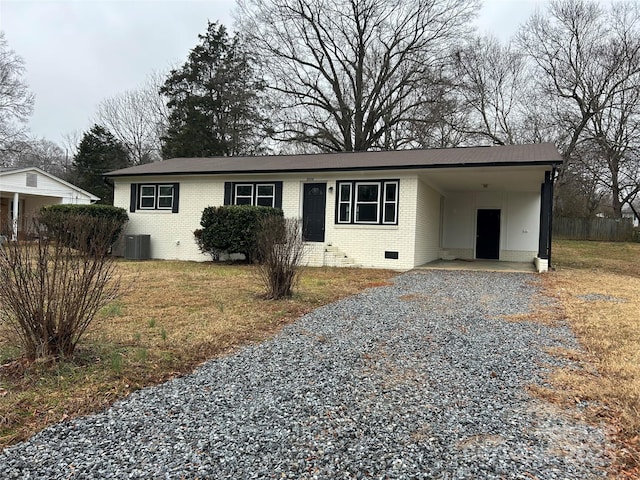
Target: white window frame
<point>348,202</point>
<point>236,196</point>
<point>357,203</point>
<point>170,207</point>
<point>154,196</point>
<point>386,202</point>
<point>272,196</point>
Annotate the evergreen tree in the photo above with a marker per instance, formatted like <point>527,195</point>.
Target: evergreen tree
<point>213,100</point>
<point>98,152</point>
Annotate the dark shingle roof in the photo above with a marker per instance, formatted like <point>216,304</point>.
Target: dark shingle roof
<point>532,154</point>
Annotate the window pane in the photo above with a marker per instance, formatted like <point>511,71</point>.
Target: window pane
<point>165,202</point>
<point>265,201</point>
<point>367,193</point>
<point>345,192</point>
<point>390,192</point>
<point>243,201</point>
<point>367,212</point>
<point>244,190</point>
<point>147,191</point>
<point>265,190</point>
<point>147,202</point>
<point>345,212</point>
<point>165,191</point>
<point>390,213</point>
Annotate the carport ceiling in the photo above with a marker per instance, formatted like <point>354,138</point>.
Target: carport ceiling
<point>500,179</point>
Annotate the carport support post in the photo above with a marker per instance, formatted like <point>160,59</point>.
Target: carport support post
<point>15,213</point>
<point>546,206</point>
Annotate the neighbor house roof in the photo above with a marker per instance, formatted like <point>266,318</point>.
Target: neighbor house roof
<point>504,155</point>
<point>9,171</point>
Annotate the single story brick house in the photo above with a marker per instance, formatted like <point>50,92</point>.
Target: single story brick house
<point>387,209</point>
<point>23,191</point>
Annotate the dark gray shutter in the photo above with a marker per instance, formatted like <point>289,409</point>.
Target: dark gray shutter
<point>176,197</point>
<point>228,188</point>
<point>134,197</point>
<point>278,199</point>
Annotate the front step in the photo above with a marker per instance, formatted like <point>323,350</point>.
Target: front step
<point>334,257</point>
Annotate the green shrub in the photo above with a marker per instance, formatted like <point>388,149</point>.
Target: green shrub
<point>99,219</point>
<point>232,229</point>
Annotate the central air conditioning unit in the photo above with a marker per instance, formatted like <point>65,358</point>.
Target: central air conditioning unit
<point>137,247</point>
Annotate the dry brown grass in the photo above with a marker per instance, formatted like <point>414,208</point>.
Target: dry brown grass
<point>598,285</point>
<point>173,316</point>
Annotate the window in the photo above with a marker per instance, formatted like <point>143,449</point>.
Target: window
<point>368,202</point>
<point>154,196</point>
<point>243,195</point>
<point>147,196</point>
<point>265,195</point>
<point>390,203</point>
<point>165,196</point>
<point>344,203</point>
<point>259,194</point>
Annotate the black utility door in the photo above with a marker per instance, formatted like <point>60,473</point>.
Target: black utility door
<point>313,209</point>
<point>488,234</point>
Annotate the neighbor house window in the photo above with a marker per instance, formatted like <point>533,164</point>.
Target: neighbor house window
<point>253,193</point>
<point>367,202</point>
<point>154,196</point>
<point>32,179</point>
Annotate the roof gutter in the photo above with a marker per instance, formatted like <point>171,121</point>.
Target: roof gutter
<point>536,163</point>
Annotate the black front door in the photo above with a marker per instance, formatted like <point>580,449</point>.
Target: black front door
<point>488,234</point>
<point>313,209</point>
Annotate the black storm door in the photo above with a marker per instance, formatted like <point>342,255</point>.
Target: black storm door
<point>488,234</point>
<point>313,210</point>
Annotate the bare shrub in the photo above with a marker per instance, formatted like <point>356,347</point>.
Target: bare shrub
<point>280,248</point>
<point>50,291</point>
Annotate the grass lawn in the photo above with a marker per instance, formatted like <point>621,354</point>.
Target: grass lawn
<point>598,285</point>
<point>172,316</point>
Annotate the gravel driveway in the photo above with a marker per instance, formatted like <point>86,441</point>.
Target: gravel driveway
<point>418,380</point>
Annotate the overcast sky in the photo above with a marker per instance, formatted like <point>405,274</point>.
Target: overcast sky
<point>80,52</point>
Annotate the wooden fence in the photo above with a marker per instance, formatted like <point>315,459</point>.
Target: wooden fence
<point>603,229</point>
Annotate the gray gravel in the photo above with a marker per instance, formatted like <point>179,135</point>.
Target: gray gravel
<point>420,380</point>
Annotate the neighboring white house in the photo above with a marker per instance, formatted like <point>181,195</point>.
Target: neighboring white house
<point>394,209</point>
<point>23,191</point>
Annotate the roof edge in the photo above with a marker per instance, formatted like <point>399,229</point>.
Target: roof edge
<point>541,163</point>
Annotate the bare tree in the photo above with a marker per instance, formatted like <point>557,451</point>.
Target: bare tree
<point>579,62</point>
<point>346,73</point>
<point>37,152</point>
<point>494,85</point>
<point>51,289</point>
<point>588,59</point>
<point>137,118</point>
<point>281,250</point>
<point>16,102</point>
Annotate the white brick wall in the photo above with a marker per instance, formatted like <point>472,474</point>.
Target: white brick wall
<point>427,237</point>
<point>416,238</point>
<point>366,244</point>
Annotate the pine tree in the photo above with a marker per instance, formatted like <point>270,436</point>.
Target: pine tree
<point>213,100</point>
<point>98,152</point>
